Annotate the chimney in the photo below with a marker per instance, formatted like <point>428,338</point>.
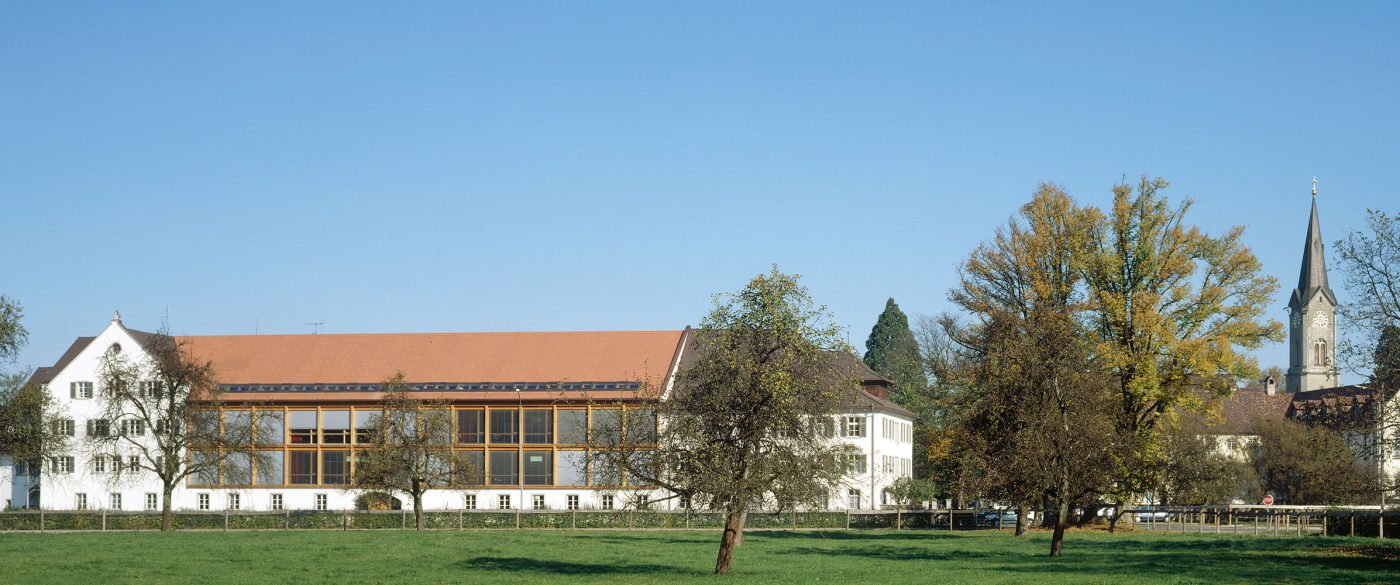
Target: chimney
<point>1270,387</point>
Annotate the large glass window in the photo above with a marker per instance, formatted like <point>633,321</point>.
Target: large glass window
<point>505,467</point>
<point>270,427</point>
<point>573,426</point>
<point>335,468</point>
<point>335,427</point>
<point>436,425</point>
<point>641,425</point>
<point>471,468</point>
<point>303,468</point>
<point>607,425</point>
<point>270,467</point>
<point>238,427</point>
<point>303,425</point>
<point>539,426</point>
<point>539,468</point>
<point>238,468</point>
<point>471,427</point>
<point>206,467</point>
<point>573,468</point>
<point>366,421</point>
<point>505,426</point>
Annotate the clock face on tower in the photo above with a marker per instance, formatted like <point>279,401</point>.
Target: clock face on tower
<point>1319,319</point>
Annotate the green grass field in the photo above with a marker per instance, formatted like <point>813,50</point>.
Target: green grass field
<point>875,557</point>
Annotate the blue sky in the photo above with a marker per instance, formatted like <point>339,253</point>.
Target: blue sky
<point>564,166</point>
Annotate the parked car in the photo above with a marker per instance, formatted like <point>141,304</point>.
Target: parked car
<point>1005,517</point>
<point>1155,516</point>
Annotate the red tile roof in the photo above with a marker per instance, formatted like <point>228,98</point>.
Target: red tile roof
<point>592,356</point>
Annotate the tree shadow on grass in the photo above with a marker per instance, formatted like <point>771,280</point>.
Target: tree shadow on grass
<point>550,567</point>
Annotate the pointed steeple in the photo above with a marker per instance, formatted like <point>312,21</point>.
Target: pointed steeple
<point>1312,278</point>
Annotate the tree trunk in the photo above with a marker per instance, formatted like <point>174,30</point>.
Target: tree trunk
<point>166,515</point>
<point>418,511</point>
<point>1021,520</point>
<point>743,521</point>
<point>1060,523</point>
<point>733,532</point>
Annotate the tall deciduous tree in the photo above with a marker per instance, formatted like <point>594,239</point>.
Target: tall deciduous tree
<point>1035,410</point>
<point>411,449</point>
<point>1370,264</point>
<point>161,406</point>
<point>743,423</point>
<point>1172,307</point>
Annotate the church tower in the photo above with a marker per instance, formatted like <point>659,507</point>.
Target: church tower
<point>1312,309</point>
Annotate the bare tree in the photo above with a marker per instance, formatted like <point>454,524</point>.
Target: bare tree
<point>411,449</point>
<point>161,406</point>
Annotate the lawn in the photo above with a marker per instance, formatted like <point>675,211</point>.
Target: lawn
<point>877,557</point>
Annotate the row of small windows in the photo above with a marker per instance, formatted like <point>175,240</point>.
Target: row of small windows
<point>114,501</point>
<point>897,431</point>
<point>234,501</point>
<point>103,428</point>
<point>84,390</point>
<point>435,386</point>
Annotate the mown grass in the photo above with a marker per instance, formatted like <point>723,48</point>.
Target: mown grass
<point>880,557</point>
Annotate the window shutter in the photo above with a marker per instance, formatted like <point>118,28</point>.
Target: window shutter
<point>72,390</point>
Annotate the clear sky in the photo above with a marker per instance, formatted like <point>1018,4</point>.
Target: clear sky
<point>395,166</point>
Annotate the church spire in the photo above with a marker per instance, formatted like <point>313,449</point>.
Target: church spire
<point>1312,277</point>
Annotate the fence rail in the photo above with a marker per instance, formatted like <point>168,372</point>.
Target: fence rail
<point>1243,520</point>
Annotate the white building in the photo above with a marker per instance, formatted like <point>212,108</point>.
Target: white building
<point>520,401</point>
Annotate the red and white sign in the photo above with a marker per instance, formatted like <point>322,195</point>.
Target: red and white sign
<point>1269,500</point>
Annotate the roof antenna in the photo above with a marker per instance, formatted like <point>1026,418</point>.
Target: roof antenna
<point>316,326</point>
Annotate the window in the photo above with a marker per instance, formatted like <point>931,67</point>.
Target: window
<point>685,503</point>
<point>537,501</point>
<point>573,426</point>
<point>203,501</point>
<point>238,427</point>
<point>505,467</point>
<point>99,463</point>
<point>238,468</point>
<point>469,501</point>
<point>133,428</point>
<point>206,467</point>
<point>365,423</point>
<point>152,501</point>
<point>64,427</point>
<point>321,501</point>
<point>607,501</point>
<point>303,470</point>
<point>270,465</point>
<point>161,427</point>
<point>641,425</point>
<point>607,425</point>
<point>80,500</point>
<point>116,501</point>
<point>853,499</point>
<point>503,501</point>
<point>571,501</point>
<point>303,426</point>
<point>150,389</point>
<point>573,468</point>
<point>643,501</point>
<point>471,427</point>
<point>276,502</point>
<point>271,430</point>
<point>62,464</point>
<point>539,468</point>
<point>116,464</point>
<point>335,427</point>
<point>334,470</point>
<point>1320,353</point>
<point>823,427</point>
<point>505,426</point>
<point>80,390</point>
<point>98,427</point>
<point>234,500</point>
<point>133,463</point>
<point>471,468</point>
<point>855,426</point>
<point>539,426</point>
<point>855,464</point>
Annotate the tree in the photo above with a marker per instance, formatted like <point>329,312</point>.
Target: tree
<point>1036,411</point>
<point>1171,307</point>
<point>912,492</point>
<point>1370,264</point>
<point>411,449</point>
<point>1197,473</point>
<point>12,333</point>
<point>742,424</point>
<point>1274,372</point>
<point>162,406</point>
<point>29,429</point>
<point>892,352</point>
<point>1303,465</point>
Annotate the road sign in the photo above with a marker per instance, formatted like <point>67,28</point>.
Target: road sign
<point>1269,500</point>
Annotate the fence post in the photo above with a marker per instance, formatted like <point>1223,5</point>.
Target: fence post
<point>104,519</point>
<point>687,518</point>
<point>1324,523</point>
<point>403,518</point>
<point>517,518</point>
<point>573,520</point>
<point>1352,517</point>
<point>41,519</point>
<point>344,520</point>
<point>287,519</point>
<point>225,518</point>
<point>898,519</point>
<point>1301,520</point>
<point>950,519</point>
